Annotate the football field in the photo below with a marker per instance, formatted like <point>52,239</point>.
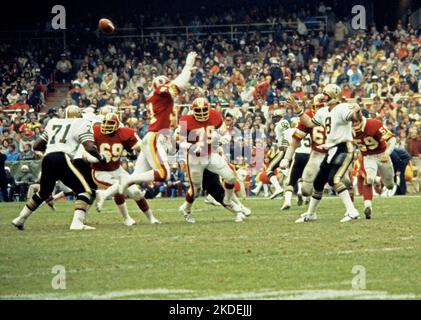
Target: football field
<point>266,257</point>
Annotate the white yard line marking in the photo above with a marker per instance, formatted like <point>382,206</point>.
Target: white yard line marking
<point>99,295</point>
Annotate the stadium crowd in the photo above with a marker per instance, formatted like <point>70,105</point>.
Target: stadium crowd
<point>246,78</point>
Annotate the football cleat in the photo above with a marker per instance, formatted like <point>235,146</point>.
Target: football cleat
<point>349,216</point>
<point>306,217</point>
<point>367,212</point>
<point>233,207</point>
<point>186,213</point>
<point>240,217</point>
<point>75,226</point>
<point>210,200</point>
<point>19,223</point>
<point>129,221</point>
<point>286,206</point>
<point>276,193</point>
<point>154,220</point>
<point>246,211</point>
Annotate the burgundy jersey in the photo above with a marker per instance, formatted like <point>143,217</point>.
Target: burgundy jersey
<point>200,131</point>
<point>317,134</point>
<point>373,137</point>
<point>113,145</point>
<point>160,107</point>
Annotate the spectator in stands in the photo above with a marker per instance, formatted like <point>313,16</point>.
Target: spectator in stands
<point>11,153</point>
<point>27,153</point>
<point>63,69</point>
<point>24,179</point>
<point>3,181</point>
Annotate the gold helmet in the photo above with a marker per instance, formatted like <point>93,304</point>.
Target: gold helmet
<point>201,109</point>
<point>333,93</point>
<point>359,124</point>
<point>72,111</point>
<point>110,123</point>
<point>160,81</point>
<point>107,109</point>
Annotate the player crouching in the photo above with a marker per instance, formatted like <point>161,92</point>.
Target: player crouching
<point>112,139</point>
<point>198,137</point>
<point>375,143</point>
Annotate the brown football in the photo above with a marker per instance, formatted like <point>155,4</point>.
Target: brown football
<point>106,25</point>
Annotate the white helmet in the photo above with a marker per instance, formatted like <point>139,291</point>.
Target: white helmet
<point>107,109</point>
<point>160,81</point>
<point>72,111</point>
<point>284,124</point>
<point>333,92</point>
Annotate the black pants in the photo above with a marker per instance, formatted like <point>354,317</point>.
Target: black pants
<point>297,168</point>
<point>58,166</point>
<point>275,162</point>
<point>334,171</point>
<point>212,184</point>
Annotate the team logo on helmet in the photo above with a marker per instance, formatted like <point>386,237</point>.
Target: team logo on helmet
<point>159,82</point>
<point>333,92</point>
<point>201,109</point>
<point>110,123</point>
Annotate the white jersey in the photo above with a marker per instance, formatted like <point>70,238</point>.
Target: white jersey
<point>65,135</point>
<point>338,123</point>
<point>280,129</point>
<point>93,119</point>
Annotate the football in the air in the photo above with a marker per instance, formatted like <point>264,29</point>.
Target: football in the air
<point>106,25</point>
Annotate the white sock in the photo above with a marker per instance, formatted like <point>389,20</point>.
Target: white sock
<point>187,205</point>
<point>275,183</point>
<point>266,189</point>
<point>313,205</point>
<point>148,213</point>
<point>367,203</point>
<point>346,199</point>
<point>288,197</point>
<point>300,185</point>
<point>79,217</point>
<point>123,210</point>
<point>25,213</point>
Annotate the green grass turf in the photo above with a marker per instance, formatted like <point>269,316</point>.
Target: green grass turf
<point>268,256</point>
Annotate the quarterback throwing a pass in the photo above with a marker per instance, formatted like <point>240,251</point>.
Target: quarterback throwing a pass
<point>337,119</point>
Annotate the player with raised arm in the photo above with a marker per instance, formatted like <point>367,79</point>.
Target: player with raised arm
<point>317,136</point>
<point>60,140</point>
<point>199,138</point>
<point>112,139</point>
<point>152,163</point>
<point>337,119</point>
<point>281,127</point>
<point>375,143</point>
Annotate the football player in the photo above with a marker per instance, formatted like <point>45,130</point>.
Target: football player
<point>152,163</point>
<point>317,136</point>
<point>301,156</point>
<point>375,143</point>
<point>281,127</point>
<point>60,140</point>
<point>337,119</point>
<point>198,137</point>
<point>112,139</point>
